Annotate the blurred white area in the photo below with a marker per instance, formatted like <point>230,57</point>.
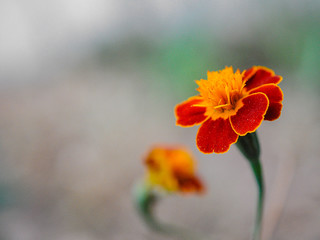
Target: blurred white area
<point>42,37</point>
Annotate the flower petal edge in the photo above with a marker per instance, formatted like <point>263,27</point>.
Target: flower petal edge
<point>259,75</point>
<point>187,114</point>
<point>250,116</point>
<point>275,97</point>
<point>215,136</point>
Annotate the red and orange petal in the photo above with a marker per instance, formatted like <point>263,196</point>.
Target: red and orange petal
<point>275,97</point>
<point>257,76</point>
<point>190,184</point>
<point>215,136</point>
<point>172,168</point>
<point>274,111</point>
<point>188,114</point>
<point>251,114</point>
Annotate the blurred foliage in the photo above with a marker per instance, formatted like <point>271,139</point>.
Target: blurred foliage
<point>289,44</point>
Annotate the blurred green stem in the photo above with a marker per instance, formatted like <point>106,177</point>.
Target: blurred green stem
<point>250,148</point>
<point>145,199</point>
<point>256,168</point>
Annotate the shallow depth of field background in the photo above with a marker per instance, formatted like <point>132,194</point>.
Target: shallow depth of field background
<point>86,87</point>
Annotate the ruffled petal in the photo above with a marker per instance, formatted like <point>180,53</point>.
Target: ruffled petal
<point>251,114</point>
<point>188,114</point>
<point>216,136</point>
<point>274,111</point>
<point>190,184</point>
<point>257,76</point>
<point>275,97</point>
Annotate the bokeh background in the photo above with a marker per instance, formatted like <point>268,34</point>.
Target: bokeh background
<point>87,86</point>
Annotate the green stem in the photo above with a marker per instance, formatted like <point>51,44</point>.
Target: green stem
<point>257,170</point>
<point>144,202</point>
<point>250,148</point>
<point>145,199</point>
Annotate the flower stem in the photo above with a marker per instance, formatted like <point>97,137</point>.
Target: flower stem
<point>257,170</point>
<point>145,199</point>
<point>250,148</point>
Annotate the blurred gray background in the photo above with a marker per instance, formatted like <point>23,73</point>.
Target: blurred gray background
<point>87,86</point>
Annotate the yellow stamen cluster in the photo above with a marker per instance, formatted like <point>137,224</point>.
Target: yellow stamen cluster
<point>221,92</point>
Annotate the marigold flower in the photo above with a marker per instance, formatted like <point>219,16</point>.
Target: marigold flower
<point>231,104</point>
<point>172,169</point>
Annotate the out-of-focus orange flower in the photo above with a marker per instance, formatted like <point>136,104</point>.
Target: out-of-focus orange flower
<point>172,169</point>
<point>231,104</point>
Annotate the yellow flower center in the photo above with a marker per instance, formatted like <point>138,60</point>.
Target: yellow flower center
<point>221,92</point>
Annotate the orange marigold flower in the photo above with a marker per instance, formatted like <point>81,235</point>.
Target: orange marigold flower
<point>172,169</point>
<point>231,104</point>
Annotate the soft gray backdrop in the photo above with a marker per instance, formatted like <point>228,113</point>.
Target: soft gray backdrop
<point>87,86</point>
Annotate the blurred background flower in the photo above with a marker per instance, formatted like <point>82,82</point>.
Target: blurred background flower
<point>87,86</point>
<point>171,169</point>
